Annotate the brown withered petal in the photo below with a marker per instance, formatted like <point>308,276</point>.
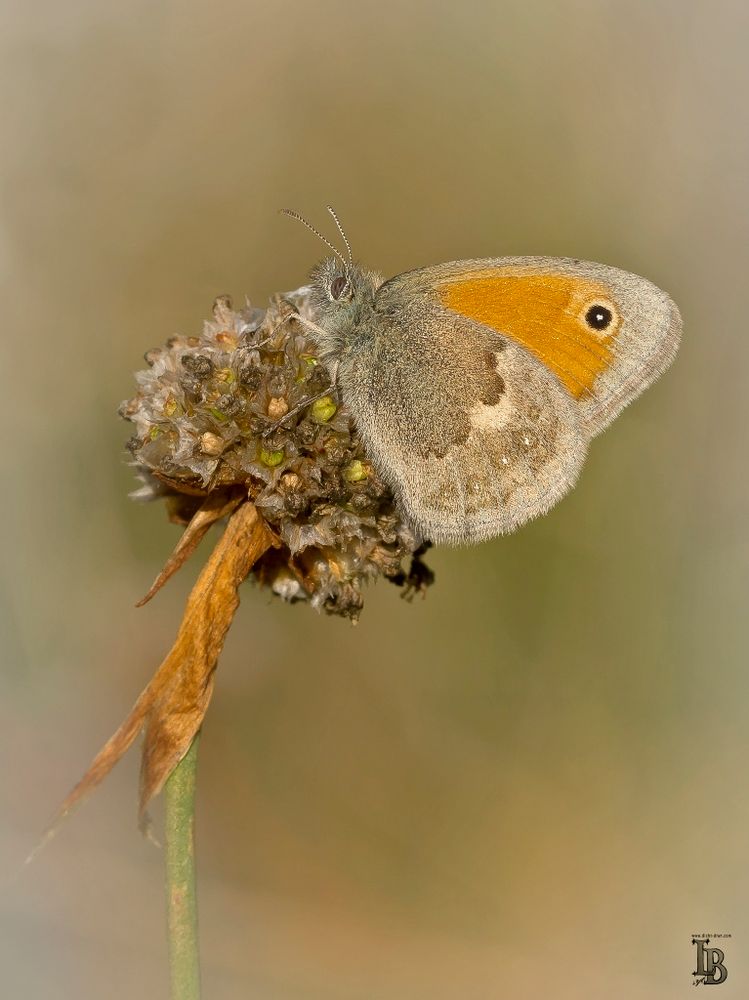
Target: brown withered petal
<point>214,507</point>
<point>174,702</point>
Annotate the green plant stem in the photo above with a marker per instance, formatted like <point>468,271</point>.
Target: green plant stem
<point>181,897</point>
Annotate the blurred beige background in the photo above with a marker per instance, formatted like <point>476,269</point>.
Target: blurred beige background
<point>531,784</point>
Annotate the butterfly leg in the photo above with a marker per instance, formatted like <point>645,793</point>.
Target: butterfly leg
<point>274,331</point>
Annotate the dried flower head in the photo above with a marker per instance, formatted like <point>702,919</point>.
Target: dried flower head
<point>246,410</point>
<point>241,423</point>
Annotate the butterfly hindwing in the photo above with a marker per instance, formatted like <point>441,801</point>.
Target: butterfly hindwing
<point>473,434</point>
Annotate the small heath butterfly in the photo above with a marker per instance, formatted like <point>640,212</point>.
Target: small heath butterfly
<point>477,385</point>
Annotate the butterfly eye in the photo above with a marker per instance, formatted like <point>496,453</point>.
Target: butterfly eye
<point>338,286</point>
<point>599,317</point>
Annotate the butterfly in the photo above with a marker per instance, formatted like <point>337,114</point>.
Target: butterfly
<point>477,385</point>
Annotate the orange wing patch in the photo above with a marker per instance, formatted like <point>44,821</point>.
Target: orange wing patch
<point>546,314</point>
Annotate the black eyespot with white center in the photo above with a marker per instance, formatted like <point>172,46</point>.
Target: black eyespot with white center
<point>599,317</point>
<point>338,287</point>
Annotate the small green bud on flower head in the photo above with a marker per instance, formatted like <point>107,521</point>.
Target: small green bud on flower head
<point>226,412</point>
<point>271,458</point>
<point>355,471</point>
<point>323,409</point>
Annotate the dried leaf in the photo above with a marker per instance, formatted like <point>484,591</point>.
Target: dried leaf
<point>174,702</point>
<point>215,506</point>
<point>178,713</point>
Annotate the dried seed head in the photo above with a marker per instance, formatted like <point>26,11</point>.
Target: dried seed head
<point>277,407</point>
<point>208,415</point>
<point>211,444</point>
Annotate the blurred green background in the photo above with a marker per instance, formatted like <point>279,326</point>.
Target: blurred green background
<point>530,784</point>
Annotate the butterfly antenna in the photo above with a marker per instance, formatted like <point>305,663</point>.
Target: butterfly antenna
<point>318,234</point>
<point>343,234</point>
